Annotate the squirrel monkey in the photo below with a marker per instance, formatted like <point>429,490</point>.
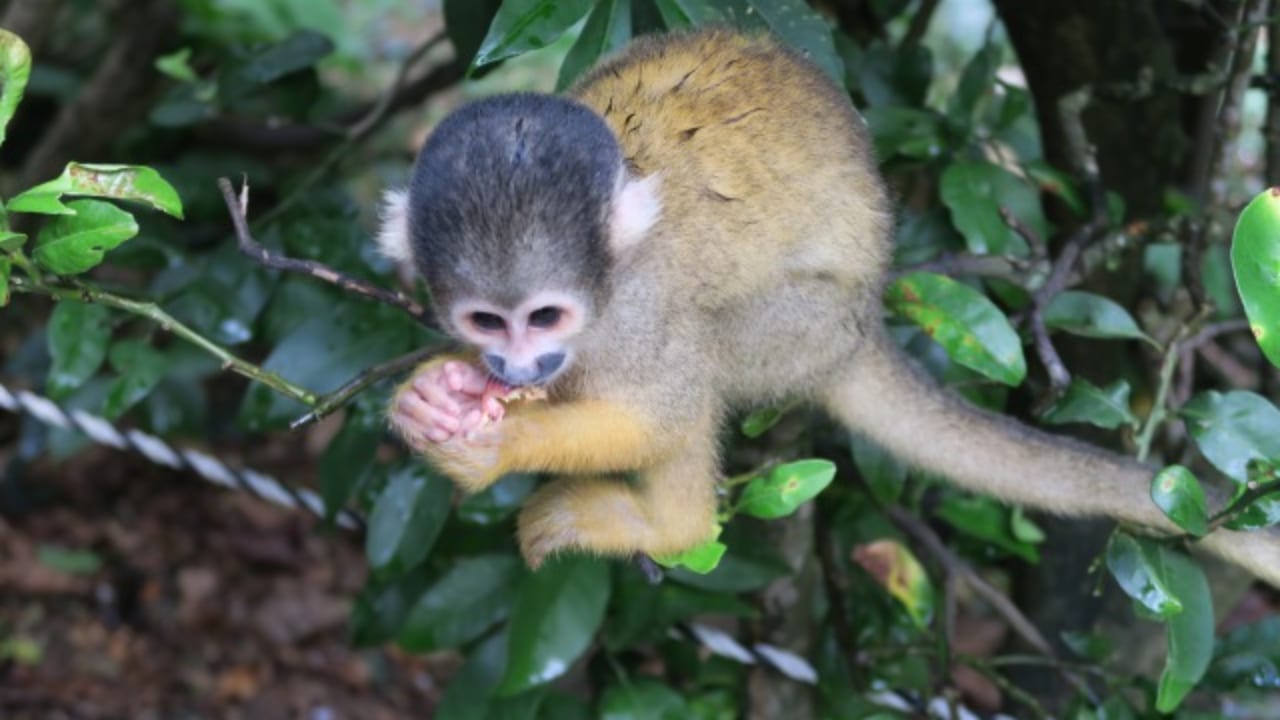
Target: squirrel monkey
<point>697,226</point>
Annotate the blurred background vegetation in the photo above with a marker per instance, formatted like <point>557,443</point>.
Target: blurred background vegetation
<point>1067,177</point>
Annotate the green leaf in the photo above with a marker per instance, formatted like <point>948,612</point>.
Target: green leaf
<point>642,698</point>
<point>893,566</point>
<point>883,472</point>
<point>1024,528</point>
<point>1139,566</point>
<point>136,183</point>
<point>350,457</point>
<point>1084,402</point>
<point>1055,182</point>
<point>745,566</point>
<point>963,321</point>
<point>10,241</point>
<point>784,488</point>
<point>1179,495</point>
<point>976,81</point>
<point>759,421</point>
<point>467,22</point>
<point>802,28</point>
<point>1190,631</point>
<point>973,191</point>
<point>469,599</point>
<point>908,132</point>
<point>989,521</point>
<point>15,68</point>
<point>77,335</point>
<point>498,501</point>
<point>72,244</point>
<point>5,265</point>
<point>299,51</point>
<point>524,25</point>
<point>177,65</point>
<point>678,14</point>
<point>141,368</point>
<point>1233,428</point>
<point>469,695</point>
<point>1255,260</point>
<point>68,560</point>
<point>407,517</point>
<point>556,614</point>
<point>1090,315</point>
<point>608,28</point>
<point>700,559</point>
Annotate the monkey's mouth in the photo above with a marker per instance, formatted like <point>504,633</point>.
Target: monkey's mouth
<point>506,392</point>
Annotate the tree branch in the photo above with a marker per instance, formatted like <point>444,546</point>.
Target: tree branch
<point>330,402</point>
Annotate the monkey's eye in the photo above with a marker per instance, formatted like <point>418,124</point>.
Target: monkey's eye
<point>545,317</point>
<point>487,321</point>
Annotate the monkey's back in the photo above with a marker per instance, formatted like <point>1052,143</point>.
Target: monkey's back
<point>755,147</point>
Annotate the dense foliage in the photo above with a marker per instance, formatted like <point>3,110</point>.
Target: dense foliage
<point>1006,261</point>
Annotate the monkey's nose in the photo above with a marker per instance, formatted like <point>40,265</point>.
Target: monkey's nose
<point>539,372</point>
<point>548,365</point>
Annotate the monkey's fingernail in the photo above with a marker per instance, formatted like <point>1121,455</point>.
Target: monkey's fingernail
<point>437,435</point>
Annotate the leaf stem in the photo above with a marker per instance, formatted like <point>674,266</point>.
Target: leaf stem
<point>155,313</point>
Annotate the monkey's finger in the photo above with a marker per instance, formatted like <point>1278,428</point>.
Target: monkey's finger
<point>470,380</point>
<point>435,394</point>
<point>424,415</point>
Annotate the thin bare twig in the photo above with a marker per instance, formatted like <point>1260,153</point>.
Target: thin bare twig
<point>238,207</point>
<point>329,403</point>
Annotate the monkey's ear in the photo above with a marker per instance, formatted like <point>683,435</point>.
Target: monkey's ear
<point>636,207</point>
<point>393,236</point>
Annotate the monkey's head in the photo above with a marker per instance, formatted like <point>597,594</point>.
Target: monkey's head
<point>519,208</point>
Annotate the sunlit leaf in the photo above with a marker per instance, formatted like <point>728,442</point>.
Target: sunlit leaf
<point>1090,315</point>
<point>893,566</point>
<point>135,183</point>
<point>1178,493</point>
<point>963,321</point>
<point>780,491</point>
<point>524,25</point>
<point>1233,428</point>
<point>15,69</point>
<point>556,614</point>
<point>1255,259</point>
<point>72,244</point>
<point>177,65</point>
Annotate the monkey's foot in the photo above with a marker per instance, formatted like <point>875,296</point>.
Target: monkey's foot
<point>590,514</point>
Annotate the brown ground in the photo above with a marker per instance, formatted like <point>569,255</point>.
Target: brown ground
<point>208,604</point>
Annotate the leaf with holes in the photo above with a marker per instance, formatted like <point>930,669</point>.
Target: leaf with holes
<point>72,244</point>
<point>524,25</point>
<point>1178,493</point>
<point>780,491</point>
<point>1255,260</point>
<point>963,321</point>
<point>135,183</point>
<point>15,69</point>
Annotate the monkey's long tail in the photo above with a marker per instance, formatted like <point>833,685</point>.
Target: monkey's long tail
<point>885,397</point>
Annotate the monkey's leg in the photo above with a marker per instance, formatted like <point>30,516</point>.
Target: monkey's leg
<point>671,507</point>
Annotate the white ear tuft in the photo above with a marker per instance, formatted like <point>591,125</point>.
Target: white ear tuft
<point>637,206</point>
<point>393,236</point>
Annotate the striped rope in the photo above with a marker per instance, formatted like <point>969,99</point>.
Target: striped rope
<point>265,487</point>
<point>103,432</point>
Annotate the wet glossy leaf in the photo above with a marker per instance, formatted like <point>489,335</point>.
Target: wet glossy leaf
<point>780,491</point>
<point>1233,428</point>
<point>963,321</point>
<point>469,694</point>
<point>135,183</point>
<point>1248,656</point>
<point>1255,260</point>
<point>1090,315</point>
<point>1190,631</point>
<point>72,244</point>
<point>974,191</point>
<point>407,517</point>
<point>1140,567</point>
<point>141,368</point>
<point>700,559</point>
<point>1178,493</point>
<point>802,28</point>
<point>642,698</point>
<point>469,599</point>
<point>608,28</point>
<point>556,614</point>
<point>524,25</point>
<point>893,566</point>
<point>1084,402</point>
<point>77,335</point>
<point>15,69</point>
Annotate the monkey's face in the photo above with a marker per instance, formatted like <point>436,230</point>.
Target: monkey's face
<point>529,343</point>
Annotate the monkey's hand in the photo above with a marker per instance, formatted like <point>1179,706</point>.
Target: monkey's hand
<point>449,411</point>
